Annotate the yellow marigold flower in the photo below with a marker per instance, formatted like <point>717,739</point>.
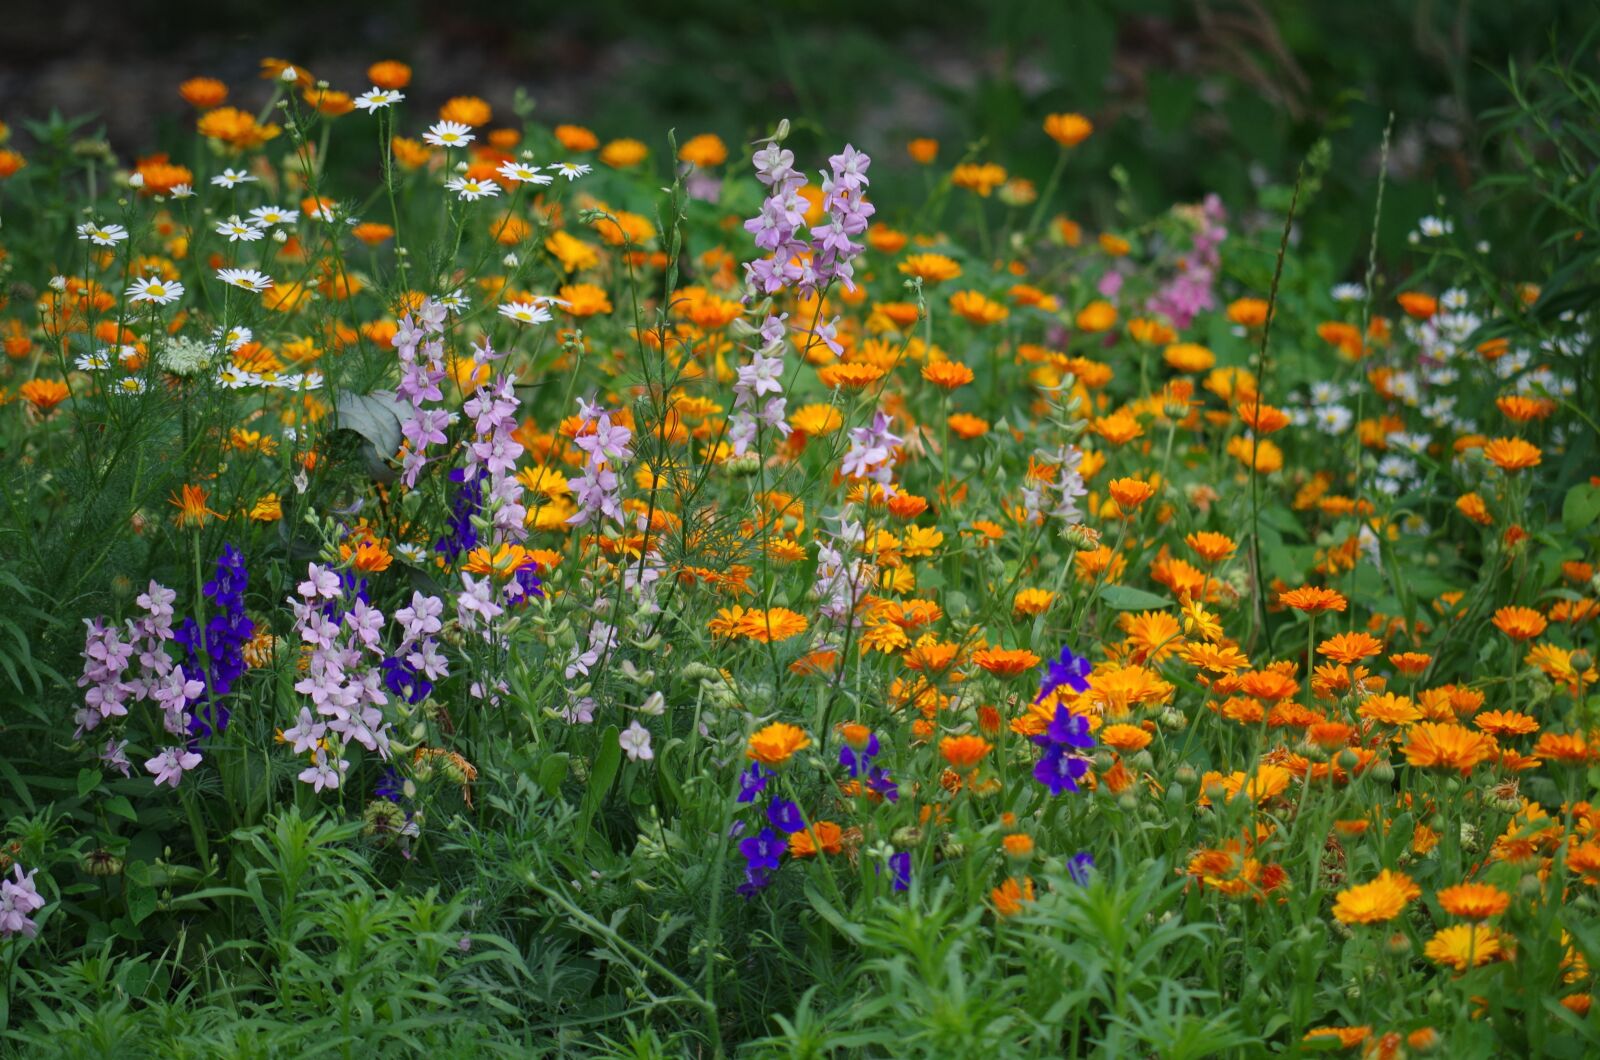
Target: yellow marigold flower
<point>234,127</point>
<point>620,154</point>
<point>266,509</point>
<point>1032,601</point>
<point>930,268</point>
<point>1389,709</point>
<point>978,309</point>
<point>1189,357</point>
<point>1461,946</point>
<point>704,150</point>
<point>981,178</point>
<point>1123,738</point>
<point>586,300</point>
<point>1377,902</point>
<point>775,744</point>
<point>817,419</point>
<point>921,541</point>
<point>574,254</point>
<point>1068,130</point>
<point>1261,452</point>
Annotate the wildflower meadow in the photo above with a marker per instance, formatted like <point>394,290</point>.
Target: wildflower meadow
<point>473,583</point>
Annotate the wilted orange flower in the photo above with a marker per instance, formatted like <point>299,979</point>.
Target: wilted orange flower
<point>1005,662</point>
<point>776,743</point>
<point>1519,623</point>
<point>1474,901</point>
<point>1512,454</point>
<point>1377,902</point>
<point>1445,745</point>
<point>964,752</point>
<point>191,505</point>
<point>1312,600</point>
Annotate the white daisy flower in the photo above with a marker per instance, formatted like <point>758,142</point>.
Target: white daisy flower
<point>182,191</point>
<point>410,553</point>
<point>98,361</point>
<point>378,98</point>
<point>128,386</point>
<point>472,190</point>
<point>526,312</point>
<point>233,338</point>
<point>236,230</point>
<point>234,378</point>
<point>1433,227</point>
<point>1348,292</point>
<point>155,289</point>
<point>248,279</point>
<point>102,235</point>
<point>229,178</point>
<point>455,301</point>
<point>449,134</point>
<point>573,170</point>
<point>267,216</point>
<point>524,173</point>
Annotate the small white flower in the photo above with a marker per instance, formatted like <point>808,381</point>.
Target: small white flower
<point>128,386</point>
<point>573,170</point>
<point>229,178</point>
<point>182,191</point>
<point>98,361</point>
<point>526,312</point>
<point>455,301</point>
<point>1433,227</point>
<point>233,338</point>
<point>136,180</point>
<point>635,741</point>
<point>267,216</point>
<point>410,553</point>
<point>378,98</point>
<point>289,75</point>
<point>449,134</point>
<point>248,279</point>
<point>236,230</point>
<point>524,173</point>
<point>472,190</point>
<point>155,289</point>
<point>1348,292</point>
<point>58,283</point>
<point>102,235</point>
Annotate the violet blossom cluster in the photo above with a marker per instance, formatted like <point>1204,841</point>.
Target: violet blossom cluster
<point>1191,290</point>
<point>597,490</point>
<point>19,898</point>
<point>806,265</point>
<point>494,449</point>
<point>843,580</point>
<point>335,618</point>
<point>421,352</point>
<point>109,653</point>
<point>871,454</point>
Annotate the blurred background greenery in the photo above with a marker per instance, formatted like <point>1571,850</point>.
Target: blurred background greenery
<point>1188,97</point>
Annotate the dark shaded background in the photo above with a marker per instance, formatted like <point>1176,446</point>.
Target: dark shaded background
<point>1188,97</point>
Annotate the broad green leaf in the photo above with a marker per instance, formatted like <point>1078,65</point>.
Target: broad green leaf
<point>1126,598</point>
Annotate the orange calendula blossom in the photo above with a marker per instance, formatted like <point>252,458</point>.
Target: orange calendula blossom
<point>1005,662</point>
<point>1377,902</point>
<point>774,744</point>
<point>1313,600</point>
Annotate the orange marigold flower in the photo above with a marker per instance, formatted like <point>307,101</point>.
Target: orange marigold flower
<point>576,138</point>
<point>1096,317</point>
<point>947,374</point>
<point>967,426</point>
<point>1350,647</point>
<point>204,92</point>
<point>1032,601</point>
<point>1512,454</point>
<point>1445,745</point>
<point>775,744</point>
<point>930,268</point>
<point>923,150</point>
<point>981,178</point>
<point>1009,897</point>
<point>1566,748</point>
<point>1417,305</point>
<point>1312,600</point>
<point>44,394</point>
<point>1474,901</point>
<point>1376,902</point>
<point>1389,709</point>
<point>1068,130</point>
<point>1263,419</point>
<point>1248,312</point>
<point>1519,623</point>
<point>1506,723</point>
<point>1189,357</point>
<point>1410,663</point>
<point>389,75</point>
<point>1211,546</point>
<point>977,308</point>
<point>468,110</point>
<point>1349,1037</point>
<point>1130,493</point>
<point>1124,738</point>
<point>964,752</point>
<point>1521,409</point>
<point>704,150</point>
<point>849,376</point>
<point>829,835</point>
<point>1005,662</point>
<point>620,154</point>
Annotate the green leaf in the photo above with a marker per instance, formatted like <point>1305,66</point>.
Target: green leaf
<point>141,901</point>
<point>552,771</point>
<point>119,805</point>
<point>604,771</point>
<point>376,417</point>
<point>1124,598</point>
<point>88,780</point>
<point>1581,508</point>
